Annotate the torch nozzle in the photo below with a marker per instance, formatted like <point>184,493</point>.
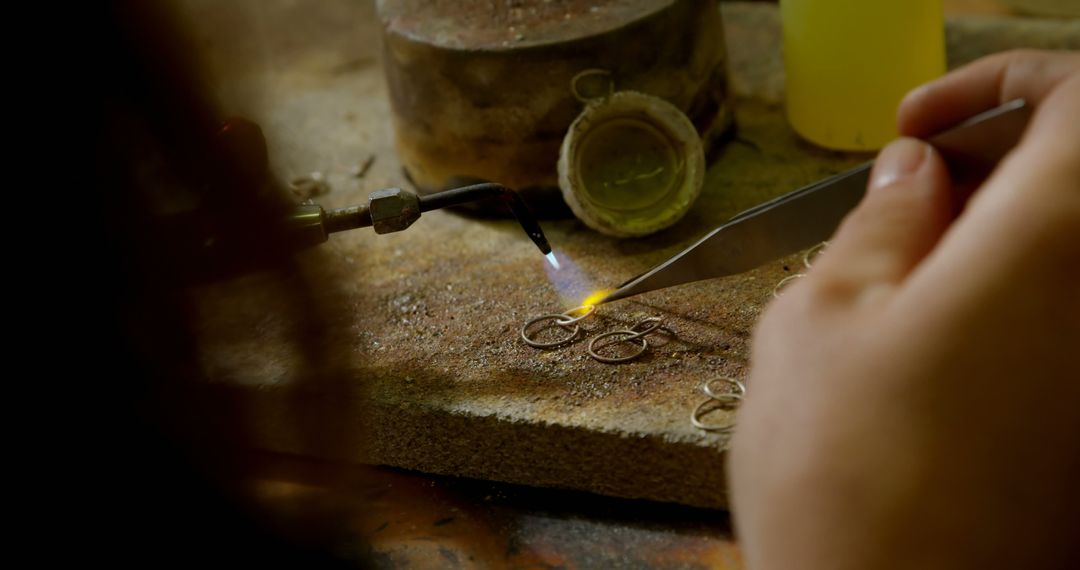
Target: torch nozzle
<point>512,199</point>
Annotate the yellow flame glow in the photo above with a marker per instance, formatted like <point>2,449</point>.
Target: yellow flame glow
<point>596,296</point>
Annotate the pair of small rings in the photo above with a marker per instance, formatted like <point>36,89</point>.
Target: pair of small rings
<point>808,259</point>
<point>567,321</point>
<point>634,333</point>
<point>716,401</point>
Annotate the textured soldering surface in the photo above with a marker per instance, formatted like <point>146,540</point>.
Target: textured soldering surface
<point>483,24</point>
<point>423,343</point>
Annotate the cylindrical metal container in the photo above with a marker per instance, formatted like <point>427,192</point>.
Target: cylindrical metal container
<point>483,90</point>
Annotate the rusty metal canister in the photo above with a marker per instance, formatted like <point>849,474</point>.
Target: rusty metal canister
<point>485,90</point>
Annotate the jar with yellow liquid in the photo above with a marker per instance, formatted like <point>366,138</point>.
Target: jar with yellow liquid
<point>850,62</point>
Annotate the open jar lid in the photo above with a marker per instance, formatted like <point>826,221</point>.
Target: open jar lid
<point>631,164</point>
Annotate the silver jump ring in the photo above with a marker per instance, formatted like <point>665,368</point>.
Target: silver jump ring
<point>812,253</point>
<point>784,283</point>
<point>633,336</point>
<point>740,390</point>
<point>567,319</point>
<point>559,342</point>
<point>701,410</point>
<point>586,73</point>
<point>650,324</point>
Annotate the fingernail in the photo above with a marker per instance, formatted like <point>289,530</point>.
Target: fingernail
<point>898,161</point>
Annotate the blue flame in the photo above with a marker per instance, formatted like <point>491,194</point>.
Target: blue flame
<point>569,281</point>
<point>552,259</point>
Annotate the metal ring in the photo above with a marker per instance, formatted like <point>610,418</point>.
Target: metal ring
<point>784,283</point>
<point>740,389</point>
<point>566,319</point>
<point>655,323</point>
<point>617,359</point>
<point>537,344</point>
<point>574,84</point>
<point>695,416</point>
<point>813,252</point>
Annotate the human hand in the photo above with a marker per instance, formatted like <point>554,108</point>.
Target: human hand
<point>915,400</point>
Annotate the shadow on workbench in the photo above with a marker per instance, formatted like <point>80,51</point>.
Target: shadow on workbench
<point>394,519</point>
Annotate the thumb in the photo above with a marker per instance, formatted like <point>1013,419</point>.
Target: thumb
<point>907,208</point>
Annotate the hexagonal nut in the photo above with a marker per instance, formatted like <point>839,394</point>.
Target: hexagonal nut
<point>393,210</point>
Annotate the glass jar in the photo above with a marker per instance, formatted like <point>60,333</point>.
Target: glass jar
<point>849,63</point>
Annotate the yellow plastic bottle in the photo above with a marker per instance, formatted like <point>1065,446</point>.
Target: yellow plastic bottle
<point>849,62</point>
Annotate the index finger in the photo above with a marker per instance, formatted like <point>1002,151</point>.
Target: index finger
<point>983,85</point>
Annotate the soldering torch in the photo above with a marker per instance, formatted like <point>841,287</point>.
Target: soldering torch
<point>393,209</point>
<point>207,245</point>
